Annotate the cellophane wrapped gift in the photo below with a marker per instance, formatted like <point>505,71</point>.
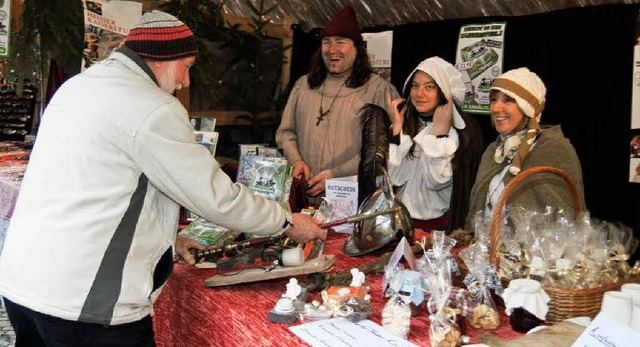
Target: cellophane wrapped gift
<point>561,253</point>
<point>396,314</point>
<point>207,233</point>
<point>481,280</point>
<point>435,269</point>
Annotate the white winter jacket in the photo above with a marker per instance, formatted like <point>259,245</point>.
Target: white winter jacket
<point>92,232</point>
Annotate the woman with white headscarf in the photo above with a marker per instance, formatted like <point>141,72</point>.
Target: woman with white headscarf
<point>435,148</point>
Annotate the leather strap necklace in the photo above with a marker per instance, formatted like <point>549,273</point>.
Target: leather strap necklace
<point>323,114</point>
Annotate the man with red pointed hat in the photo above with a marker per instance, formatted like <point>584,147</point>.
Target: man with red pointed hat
<point>92,239</point>
<point>320,128</point>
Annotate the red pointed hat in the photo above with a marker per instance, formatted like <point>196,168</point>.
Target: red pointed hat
<point>344,24</point>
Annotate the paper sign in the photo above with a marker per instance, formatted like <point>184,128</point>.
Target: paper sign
<point>106,24</point>
<point>209,139</point>
<point>5,27</point>
<point>379,47</point>
<point>635,89</point>
<point>342,332</point>
<point>607,332</point>
<point>398,253</point>
<point>342,192</point>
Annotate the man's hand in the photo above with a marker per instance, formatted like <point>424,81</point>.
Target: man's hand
<point>442,118</point>
<point>305,229</point>
<point>301,170</point>
<point>183,245</point>
<point>316,183</point>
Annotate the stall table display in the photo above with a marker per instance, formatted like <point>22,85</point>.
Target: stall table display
<point>13,162</point>
<point>188,313</point>
<point>16,113</point>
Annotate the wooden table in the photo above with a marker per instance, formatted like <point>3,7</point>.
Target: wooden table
<point>189,314</point>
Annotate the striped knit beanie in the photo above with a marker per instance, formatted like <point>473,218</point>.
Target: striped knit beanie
<point>527,89</point>
<point>160,36</point>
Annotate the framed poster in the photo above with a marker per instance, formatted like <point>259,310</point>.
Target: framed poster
<point>479,57</point>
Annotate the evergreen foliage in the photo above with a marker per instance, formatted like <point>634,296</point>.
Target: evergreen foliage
<point>235,70</point>
<point>49,29</point>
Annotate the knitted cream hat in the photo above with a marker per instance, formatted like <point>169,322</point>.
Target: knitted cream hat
<point>160,36</point>
<point>448,78</point>
<point>529,93</point>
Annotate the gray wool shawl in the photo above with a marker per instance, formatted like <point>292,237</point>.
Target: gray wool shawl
<point>552,148</point>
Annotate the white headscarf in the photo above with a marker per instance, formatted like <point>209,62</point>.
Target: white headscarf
<point>448,78</point>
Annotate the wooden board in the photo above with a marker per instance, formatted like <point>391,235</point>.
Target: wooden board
<point>558,335</point>
<point>319,264</point>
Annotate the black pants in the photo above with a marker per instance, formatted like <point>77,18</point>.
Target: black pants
<point>35,329</point>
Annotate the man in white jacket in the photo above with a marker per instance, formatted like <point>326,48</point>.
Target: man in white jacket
<point>93,235</point>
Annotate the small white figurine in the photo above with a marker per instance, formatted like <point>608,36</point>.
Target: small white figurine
<point>284,305</point>
<point>358,278</point>
<point>293,289</point>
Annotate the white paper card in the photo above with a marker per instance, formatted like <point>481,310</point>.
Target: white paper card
<point>209,139</point>
<point>607,332</point>
<point>397,254</point>
<point>342,192</point>
<point>342,332</point>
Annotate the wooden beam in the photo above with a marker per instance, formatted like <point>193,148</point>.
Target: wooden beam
<point>149,5</point>
<point>16,14</point>
<point>185,97</point>
<point>287,43</point>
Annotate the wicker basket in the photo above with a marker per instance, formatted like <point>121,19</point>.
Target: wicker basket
<point>565,303</point>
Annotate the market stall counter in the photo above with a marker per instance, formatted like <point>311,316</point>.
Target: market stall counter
<point>188,313</point>
<point>13,163</point>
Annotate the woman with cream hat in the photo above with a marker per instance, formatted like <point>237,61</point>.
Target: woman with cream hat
<point>435,147</point>
<point>517,99</point>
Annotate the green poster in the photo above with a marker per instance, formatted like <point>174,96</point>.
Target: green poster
<point>5,27</point>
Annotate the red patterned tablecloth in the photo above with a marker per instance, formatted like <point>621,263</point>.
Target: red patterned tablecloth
<point>13,163</point>
<point>189,314</point>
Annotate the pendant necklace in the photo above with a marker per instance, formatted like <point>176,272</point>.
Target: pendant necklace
<point>323,114</point>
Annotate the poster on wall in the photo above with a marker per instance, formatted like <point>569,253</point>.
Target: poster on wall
<point>379,49</point>
<point>479,56</point>
<point>5,27</point>
<point>634,155</point>
<point>635,88</point>
<point>106,23</point>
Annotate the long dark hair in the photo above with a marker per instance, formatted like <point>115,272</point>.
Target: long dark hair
<point>359,74</point>
<point>411,125</point>
<point>465,165</point>
<point>465,162</point>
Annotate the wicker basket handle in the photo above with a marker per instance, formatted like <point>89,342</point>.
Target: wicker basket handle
<point>497,213</point>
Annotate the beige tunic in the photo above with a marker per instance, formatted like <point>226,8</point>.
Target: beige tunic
<point>335,142</point>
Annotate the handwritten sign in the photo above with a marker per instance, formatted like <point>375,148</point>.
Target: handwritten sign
<point>340,332</point>
<point>605,331</point>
